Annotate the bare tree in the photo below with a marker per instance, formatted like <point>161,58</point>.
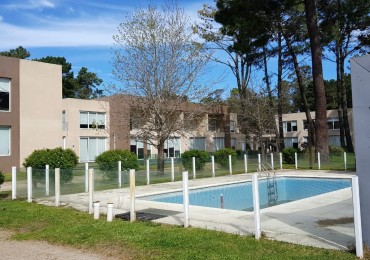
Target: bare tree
<point>160,68</point>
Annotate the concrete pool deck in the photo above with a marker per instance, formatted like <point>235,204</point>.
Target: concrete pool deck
<point>295,222</point>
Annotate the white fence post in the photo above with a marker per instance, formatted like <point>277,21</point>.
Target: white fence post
<point>109,212</point>
<point>230,165</point>
<point>119,174</point>
<point>345,161</point>
<point>29,184</point>
<point>96,206</point>
<point>194,170</point>
<point>14,182</point>
<point>213,166</point>
<point>357,217</point>
<point>245,163</point>
<point>147,172</point>
<point>47,180</point>
<point>318,161</point>
<point>57,187</point>
<point>172,169</point>
<point>256,207</point>
<point>86,177</point>
<point>185,188</point>
<point>272,160</point>
<point>259,162</point>
<point>91,190</point>
<point>281,160</point>
<point>296,160</point>
<point>132,195</point>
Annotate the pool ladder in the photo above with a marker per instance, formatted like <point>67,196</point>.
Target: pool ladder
<point>272,193</point>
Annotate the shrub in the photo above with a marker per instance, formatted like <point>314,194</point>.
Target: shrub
<point>64,159</point>
<point>336,150</point>
<point>222,157</point>
<point>288,155</point>
<point>201,157</point>
<point>108,161</point>
<point>2,177</point>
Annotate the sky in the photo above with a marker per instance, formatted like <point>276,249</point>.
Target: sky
<point>82,30</point>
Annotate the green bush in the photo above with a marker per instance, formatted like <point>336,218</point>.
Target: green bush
<point>64,159</point>
<point>288,155</point>
<point>2,177</point>
<point>336,150</point>
<point>222,157</point>
<point>108,161</point>
<point>201,157</point>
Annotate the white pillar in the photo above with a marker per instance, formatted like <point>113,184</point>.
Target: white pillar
<point>318,161</point>
<point>256,207</point>
<point>194,170</point>
<point>91,190</point>
<point>230,165</point>
<point>245,163</point>
<point>147,172</point>
<point>119,174</point>
<point>345,161</point>
<point>57,187</point>
<point>86,177</point>
<point>213,166</point>
<point>14,182</point>
<point>296,161</point>
<point>259,162</point>
<point>172,169</point>
<point>132,196</point>
<point>29,184</point>
<point>185,189</point>
<point>357,217</point>
<point>47,180</point>
<point>96,206</point>
<point>272,160</point>
<point>281,160</point>
<point>109,212</point>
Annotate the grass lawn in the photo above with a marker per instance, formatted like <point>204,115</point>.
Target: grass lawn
<point>143,240</point>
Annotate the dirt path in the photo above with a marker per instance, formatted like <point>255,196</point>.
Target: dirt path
<point>36,250</point>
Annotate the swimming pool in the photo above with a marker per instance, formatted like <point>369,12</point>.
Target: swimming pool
<point>239,196</point>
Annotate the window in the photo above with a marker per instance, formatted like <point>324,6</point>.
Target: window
<point>233,143</point>
<point>172,147</point>
<point>232,126</point>
<point>4,94</point>
<point>218,143</point>
<point>92,120</point>
<point>137,147</point>
<point>291,142</point>
<point>90,147</point>
<point>4,140</point>
<point>197,143</point>
<point>289,126</point>
<point>333,123</point>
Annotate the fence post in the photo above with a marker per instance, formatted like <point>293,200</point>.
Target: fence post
<point>194,170</point>
<point>119,174</point>
<point>230,165</point>
<point>109,212</point>
<point>272,160</point>
<point>185,190</point>
<point>29,184</point>
<point>296,161</point>
<point>14,182</point>
<point>96,206</point>
<point>259,162</point>
<point>256,207</point>
<point>132,195</point>
<point>213,166</point>
<point>47,180</point>
<point>147,172</point>
<point>245,163</point>
<point>357,217</point>
<point>318,160</point>
<point>345,161</point>
<point>281,160</point>
<point>86,177</point>
<point>172,169</point>
<point>91,190</point>
<point>57,187</point>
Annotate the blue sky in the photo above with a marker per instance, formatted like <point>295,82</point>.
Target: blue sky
<point>82,30</point>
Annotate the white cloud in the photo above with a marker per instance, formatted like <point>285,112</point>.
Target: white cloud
<point>31,4</point>
<point>1,18</point>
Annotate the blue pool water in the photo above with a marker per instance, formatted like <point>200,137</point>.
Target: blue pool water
<point>239,196</point>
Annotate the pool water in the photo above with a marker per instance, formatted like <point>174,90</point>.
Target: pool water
<point>239,196</point>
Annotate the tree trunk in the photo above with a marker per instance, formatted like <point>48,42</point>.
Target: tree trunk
<point>321,128</point>
<point>280,136</point>
<point>339,99</point>
<point>160,157</point>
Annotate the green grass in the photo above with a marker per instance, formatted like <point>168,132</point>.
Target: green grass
<point>143,240</point>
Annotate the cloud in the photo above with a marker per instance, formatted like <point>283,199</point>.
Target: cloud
<point>31,4</point>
